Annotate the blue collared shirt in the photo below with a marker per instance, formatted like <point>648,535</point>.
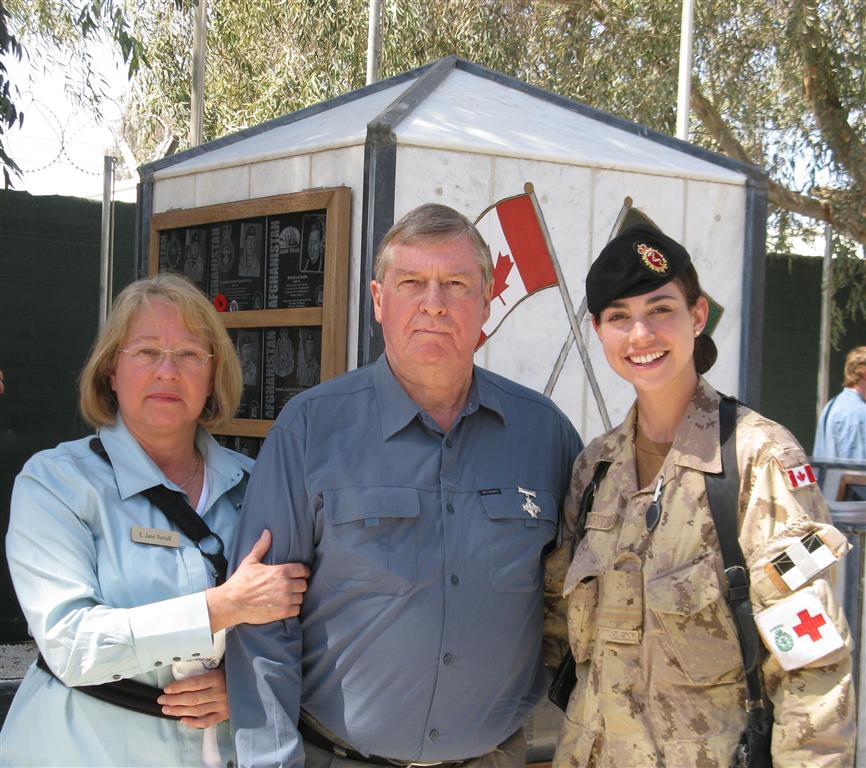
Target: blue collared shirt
<point>101,606</point>
<point>841,432</point>
<point>421,633</point>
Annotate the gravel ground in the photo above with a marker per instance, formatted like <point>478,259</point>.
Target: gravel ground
<point>14,660</point>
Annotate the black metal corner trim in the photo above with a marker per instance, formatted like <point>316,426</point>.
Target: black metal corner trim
<point>144,208</point>
<point>754,280</point>
<point>380,172</point>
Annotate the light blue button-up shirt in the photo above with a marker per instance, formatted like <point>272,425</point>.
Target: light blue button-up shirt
<point>420,636</point>
<point>101,606</point>
<point>841,432</point>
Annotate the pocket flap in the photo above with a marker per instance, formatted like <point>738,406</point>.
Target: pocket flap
<point>511,505</point>
<point>584,565</point>
<point>686,590</point>
<point>349,505</point>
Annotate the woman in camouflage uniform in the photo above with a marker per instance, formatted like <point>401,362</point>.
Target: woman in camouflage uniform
<point>660,674</point>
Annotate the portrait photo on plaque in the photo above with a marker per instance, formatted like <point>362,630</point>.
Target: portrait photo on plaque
<point>314,243</point>
<point>296,260</point>
<point>171,250</point>
<point>248,344</point>
<point>195,257</point>
<point>292,364</point>
<point>237,255</point>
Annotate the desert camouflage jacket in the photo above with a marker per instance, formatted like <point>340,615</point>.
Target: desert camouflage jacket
<point>660,678</point>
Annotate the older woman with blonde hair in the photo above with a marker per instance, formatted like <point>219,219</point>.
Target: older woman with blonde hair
<point>128,609</point>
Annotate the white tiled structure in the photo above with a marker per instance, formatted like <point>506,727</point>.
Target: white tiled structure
<point>458,134</point>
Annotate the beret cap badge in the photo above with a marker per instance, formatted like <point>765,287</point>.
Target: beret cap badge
<point>652,258</point>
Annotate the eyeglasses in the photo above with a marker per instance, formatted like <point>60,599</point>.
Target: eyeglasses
<point>186,358</point>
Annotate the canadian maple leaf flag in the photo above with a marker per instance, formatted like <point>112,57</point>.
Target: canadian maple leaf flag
<point>522,263</point>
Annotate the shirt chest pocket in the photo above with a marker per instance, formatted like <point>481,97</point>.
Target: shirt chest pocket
<point>689,606</point>
<point>520,528</point>
<point>369,541</point>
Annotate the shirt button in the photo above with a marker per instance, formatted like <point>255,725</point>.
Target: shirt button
<point>450,507</point>
<point>434,734</point>
<point>448,658</point>
<point>157,663</point>
<point>455,579</point>
<point>447,442</point>
<point>115,677</point>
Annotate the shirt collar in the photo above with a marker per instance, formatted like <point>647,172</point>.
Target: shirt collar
<point>135,471</point>
<point>397,409</point>
<point>695,446</point>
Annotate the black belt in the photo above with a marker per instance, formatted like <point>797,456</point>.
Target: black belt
<point>323,742</point>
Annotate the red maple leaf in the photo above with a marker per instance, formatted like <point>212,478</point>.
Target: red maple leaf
<point>500,275</point>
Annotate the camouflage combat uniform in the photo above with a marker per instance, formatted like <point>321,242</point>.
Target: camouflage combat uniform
<point>660,679</point>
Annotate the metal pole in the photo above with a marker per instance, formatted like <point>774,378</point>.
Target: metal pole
<point>106,250</point>
<point>374,41</point>
<point>826,316</point>
<point>199,46</point>
<point>684,86</point>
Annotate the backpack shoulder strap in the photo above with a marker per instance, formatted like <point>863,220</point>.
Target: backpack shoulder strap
<point>723,491</point>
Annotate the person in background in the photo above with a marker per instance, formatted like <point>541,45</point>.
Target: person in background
<point>660,678</point>
<point>423,491</point>
<point>841,432</point>
<point>110,589</point>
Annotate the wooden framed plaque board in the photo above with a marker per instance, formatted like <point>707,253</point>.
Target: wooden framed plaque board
<point>276,268</point>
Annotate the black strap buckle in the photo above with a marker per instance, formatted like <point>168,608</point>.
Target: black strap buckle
<point>738,583</point>
<point>214,544</point>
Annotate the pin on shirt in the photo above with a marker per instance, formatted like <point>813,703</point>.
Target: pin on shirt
<point>654,510</point>
<point>529,506</point>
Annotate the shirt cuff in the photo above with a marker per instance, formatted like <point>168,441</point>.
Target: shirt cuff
<point>171,630</point>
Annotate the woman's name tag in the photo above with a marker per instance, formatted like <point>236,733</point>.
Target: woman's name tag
<point>155,536</point>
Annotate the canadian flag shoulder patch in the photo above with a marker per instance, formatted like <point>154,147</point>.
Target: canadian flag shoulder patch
<point>798,477</point>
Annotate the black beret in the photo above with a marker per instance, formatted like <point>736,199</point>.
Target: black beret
<point>638,261</point>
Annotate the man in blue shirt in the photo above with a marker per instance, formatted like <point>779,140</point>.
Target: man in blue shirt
<point>841,432</point>
<point>423,492</point>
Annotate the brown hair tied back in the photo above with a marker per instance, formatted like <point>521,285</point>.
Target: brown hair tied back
<point>705,353</point>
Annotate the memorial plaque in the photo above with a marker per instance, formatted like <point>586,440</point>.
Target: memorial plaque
<point>292,364</point>
<point>263,263</point>
<point>296,260</point>
<point>237,263</point>
<point>248,343</point>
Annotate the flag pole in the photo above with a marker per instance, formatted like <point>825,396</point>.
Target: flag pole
<point>569,310</point>
<point>566,347</point>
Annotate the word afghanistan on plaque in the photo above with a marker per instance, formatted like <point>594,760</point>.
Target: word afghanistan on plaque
<point>292,364</point>
<point>248,344</point>
<point>265,262</point>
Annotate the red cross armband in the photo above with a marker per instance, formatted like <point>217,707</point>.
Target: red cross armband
<point>797,630</point>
